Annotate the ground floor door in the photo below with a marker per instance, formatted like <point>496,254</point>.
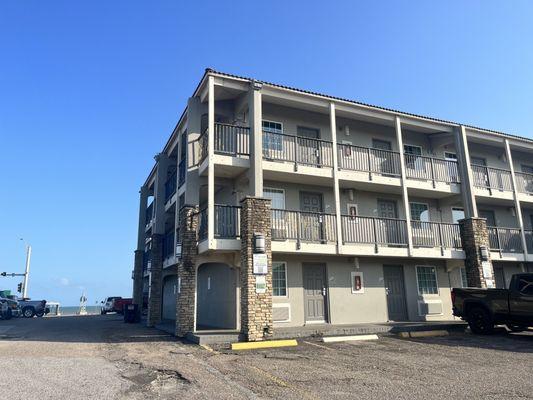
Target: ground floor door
<point>395,291</point>
<point>499,278</point>
<point>315,292</point>
<point>168,307</point>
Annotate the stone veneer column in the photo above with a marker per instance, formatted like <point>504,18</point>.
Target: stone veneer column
<point>256,308</point>
<point>185,301</point>
<point>156,271</point>
<point>138,279</point>
<point>474,234</point>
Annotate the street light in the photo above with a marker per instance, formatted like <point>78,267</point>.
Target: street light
<point>27,270</point>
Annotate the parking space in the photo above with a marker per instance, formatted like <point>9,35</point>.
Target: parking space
<point>101,357</point>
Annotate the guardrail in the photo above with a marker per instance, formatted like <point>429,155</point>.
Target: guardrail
<point>229,139</point>
<point>168,245</point>
<point>436,234</point>
<point>149,213</point>
<point>524,182</point>
<point>529,241</point>
<point>377,161</point>
<point>182,170</point>
<point>303,226</point>
<point>431,169</point>
<point>492,178</point>
<point>505,240</point>
<point>227,222</point>
<point>298,150</point>
<point>372,230</point>
<point>170,186</point>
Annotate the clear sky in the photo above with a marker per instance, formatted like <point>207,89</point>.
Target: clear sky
<point>91,90</point>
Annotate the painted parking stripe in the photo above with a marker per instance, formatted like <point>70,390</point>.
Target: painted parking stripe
<point>334,339</point>
<point>318,345</point>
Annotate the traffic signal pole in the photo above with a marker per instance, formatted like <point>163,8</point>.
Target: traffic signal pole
<point>26,273</point>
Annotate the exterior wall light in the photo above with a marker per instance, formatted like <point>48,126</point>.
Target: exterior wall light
<point>259,243</point>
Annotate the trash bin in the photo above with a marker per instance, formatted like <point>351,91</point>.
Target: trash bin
<point>131,313</point>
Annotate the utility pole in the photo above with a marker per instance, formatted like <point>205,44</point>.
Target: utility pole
<point>26,272</point>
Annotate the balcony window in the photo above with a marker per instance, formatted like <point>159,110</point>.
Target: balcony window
<point>413,158</point>
<point>464,281</point>
<point>427,280</point>
<point>419,212</point>
<point>273,140</point>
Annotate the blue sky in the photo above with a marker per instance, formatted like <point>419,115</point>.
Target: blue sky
<point>90,91</point>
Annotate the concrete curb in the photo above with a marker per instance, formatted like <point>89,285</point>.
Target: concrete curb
<point>263,345</point>
<point>334,339</point>
<point>421,334</point>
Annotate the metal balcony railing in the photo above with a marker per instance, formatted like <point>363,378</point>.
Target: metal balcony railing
<point>505,240</point>
<point>492,178</point>
<point>227,222</point>
<point>298,150</point>
<point>170,186</point>
<point>436,234</point>
<point>372,230</point>
<point>168,245</point>
<point>182,169</point>
<point>147,258</point>
<point>369,160</point>
<point>303,226</point>
<point>229,139</point>
<point>529,240</point>
<point>149,213</point>
<point>524,182</point>
<point>431,169</point>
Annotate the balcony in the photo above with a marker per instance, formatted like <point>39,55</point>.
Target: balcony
<point>431,169</point>
<point>149,214</point>
<point>375,231</point>
<point>495,182</point>
<point>371,161</point>
<point>182,170</point>
<point>505,240</point>
<point>168,245</point>
<point>170,187</point>
<point>227,228</point>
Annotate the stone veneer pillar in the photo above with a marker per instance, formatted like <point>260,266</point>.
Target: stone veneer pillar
<point>474,233</point>
<point>138,279</point>
<point>156,271</point>
<point>185,301</point>
<point>256,308</point>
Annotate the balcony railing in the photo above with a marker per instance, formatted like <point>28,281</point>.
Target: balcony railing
<point>182,169</point>
<point>170,186</point>
<point>303,226</point>
<point>505,240</point>
<point>436,234</point>
<point>524,182</point>
<point>431,169</point>
<point>529,241</point>
<point>492,178</point>
<point>298,150</point>
<point>229,140</point>
<point>147,258</point>
<point>227,222</point>
<point>369,160</point>
<point>149,213</point>
<point>168,245</point>
<point>377,231</point>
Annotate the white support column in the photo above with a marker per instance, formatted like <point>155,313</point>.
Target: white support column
<point>405,195</point>
<point>465,169</point>
<point>515,197</point>
<point>141,236</point>
<point>333,128</point>
<point>256,139</point>
<point>210,165</point>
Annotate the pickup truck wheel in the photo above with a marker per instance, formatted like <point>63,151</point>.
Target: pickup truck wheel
<point>28,312</point>
<point>480,321</point>
<point>516,328</point>
<point>9,314</point>
<point>40,314</point>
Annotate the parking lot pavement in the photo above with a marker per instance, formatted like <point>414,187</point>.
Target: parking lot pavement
<point>102,358</point>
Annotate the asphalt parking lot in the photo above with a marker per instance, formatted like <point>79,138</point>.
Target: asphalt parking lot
<point>100,357</point>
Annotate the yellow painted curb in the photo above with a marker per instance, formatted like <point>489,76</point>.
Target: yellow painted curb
<point>263,345</point>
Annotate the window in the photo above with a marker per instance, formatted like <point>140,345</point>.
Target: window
<point>450,156</point>
<point>357,282</point>
<point>427,280</point>
<point>346,148</point>
<point>277,196</point>
<point>419,212</point>
<point>272,139</point>
<point>412,156</point>
<point>457,214</point>
<point>279,279</point>
<point>464,281</point>
<point>525,285</point>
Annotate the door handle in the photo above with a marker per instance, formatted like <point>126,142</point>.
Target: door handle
<point>387,291</point>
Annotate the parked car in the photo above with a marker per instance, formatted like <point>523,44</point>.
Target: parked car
<point>118,304</point>
<point>13,307</point>
<point>31,308</point>
<point>485,308</point>
<point>108,304</point>
<point>5,311</point>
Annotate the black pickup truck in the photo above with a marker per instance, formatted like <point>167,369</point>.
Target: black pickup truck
<point>484,308</point>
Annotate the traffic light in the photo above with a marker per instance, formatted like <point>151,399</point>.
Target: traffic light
<point>19,288</point>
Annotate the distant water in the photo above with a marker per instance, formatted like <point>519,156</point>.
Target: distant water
<point>73,310</point>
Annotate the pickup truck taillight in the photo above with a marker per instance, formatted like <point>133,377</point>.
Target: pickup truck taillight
<point>453,297</point>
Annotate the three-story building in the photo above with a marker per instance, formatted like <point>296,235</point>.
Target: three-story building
<point>368,214</point>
